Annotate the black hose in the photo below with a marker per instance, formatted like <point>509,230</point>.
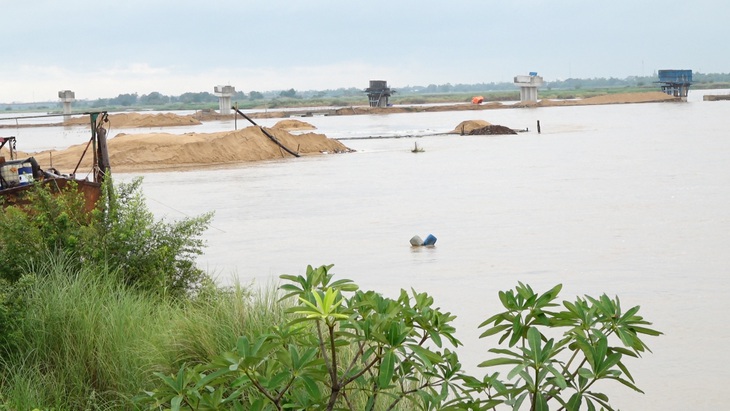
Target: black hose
<point>278,143</point>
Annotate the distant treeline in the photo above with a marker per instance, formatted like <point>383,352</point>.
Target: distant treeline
<point>349,96</point>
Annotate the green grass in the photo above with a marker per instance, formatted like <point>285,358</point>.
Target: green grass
<point>90,343</point>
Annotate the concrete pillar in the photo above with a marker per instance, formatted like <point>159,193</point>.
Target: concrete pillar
<point>224,94</point>
<point>67,97</point>
<point>528,86</point>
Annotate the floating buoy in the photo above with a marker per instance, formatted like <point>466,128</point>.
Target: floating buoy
<point>430,240</point>
<point>416,241</point>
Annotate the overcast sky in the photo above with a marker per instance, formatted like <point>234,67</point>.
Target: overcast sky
<point>105,48</point>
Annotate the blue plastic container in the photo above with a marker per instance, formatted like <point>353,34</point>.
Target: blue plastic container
<point>430,240</point>
<point>25,174</point>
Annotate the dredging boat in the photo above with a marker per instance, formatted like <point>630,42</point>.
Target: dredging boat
<point>18,176</point>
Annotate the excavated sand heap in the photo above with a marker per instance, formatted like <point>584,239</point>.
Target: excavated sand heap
<point>465,127</point>
<point>164,151</point>
<point>292,124</point>
<point>131,120</point>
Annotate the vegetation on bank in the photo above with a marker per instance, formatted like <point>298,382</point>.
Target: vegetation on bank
<point>106,311</point>
<point>153,256</point>
<point>344,97</point>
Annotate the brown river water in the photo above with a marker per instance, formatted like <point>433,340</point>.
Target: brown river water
<point>630,200</point>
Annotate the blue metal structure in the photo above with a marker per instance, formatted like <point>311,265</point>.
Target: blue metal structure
<point>675,82</point>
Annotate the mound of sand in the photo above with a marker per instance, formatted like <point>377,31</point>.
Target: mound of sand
<point>619,98</point>
<point>165,151</point>
<point>210,115</point>
<point>294,125</point>
<point>465,127</point>
<point>491,130</point>
<point>132,120</point>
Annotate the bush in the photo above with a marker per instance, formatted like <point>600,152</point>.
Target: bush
<point>558,356</point>
<point>151,255</point>
<point>122,233</point>
<point>340,348</point>
<point>88,342</point>
<point>343,348</point>
<point>13,306</point>
<point>49,223</point>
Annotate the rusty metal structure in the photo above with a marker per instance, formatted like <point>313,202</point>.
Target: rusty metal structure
<point>378,93</point>
<point>18,176</point>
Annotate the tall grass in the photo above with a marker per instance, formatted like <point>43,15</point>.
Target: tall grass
<point>89,342</point>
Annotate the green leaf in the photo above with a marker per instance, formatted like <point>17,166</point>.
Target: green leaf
<point>625,370</point>
<point>387,369</point>
<point>345,285</point>
<point>495,330</point>
<point>311,386</point>
<point>516,370</point>
<point>518,401</point>
<point>626,383</point>
<point>585,373</point>
<point>611,360</point>
<point>540,402</point>
<point>427,356</point>
<point>647,331</point>
<point>499,361</point>
<point>574,402</point>
<point>559,379</point>
<point>516,330</point>
<point>278,380</point>
<point>496,319</point>
<point>176,402</point>
<point>533,339</point>
<point>505,352</point>
<point>435,337</point>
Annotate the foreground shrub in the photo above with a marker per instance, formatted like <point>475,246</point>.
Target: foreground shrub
<point>343,348</point>
<point>13,308</point>
<point>559,357</point>
<point>49,223</point>
<point>88,341</point>
<point>154,256</point>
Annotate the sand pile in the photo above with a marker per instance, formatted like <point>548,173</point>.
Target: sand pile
<point>652,96</point>
<point>210,115</point>
<point>294,125</point>
<point>620,98</point>
<point>465,127</point>
<point>491,130</point>
<point>164,151</point>
<point>131,120</point>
